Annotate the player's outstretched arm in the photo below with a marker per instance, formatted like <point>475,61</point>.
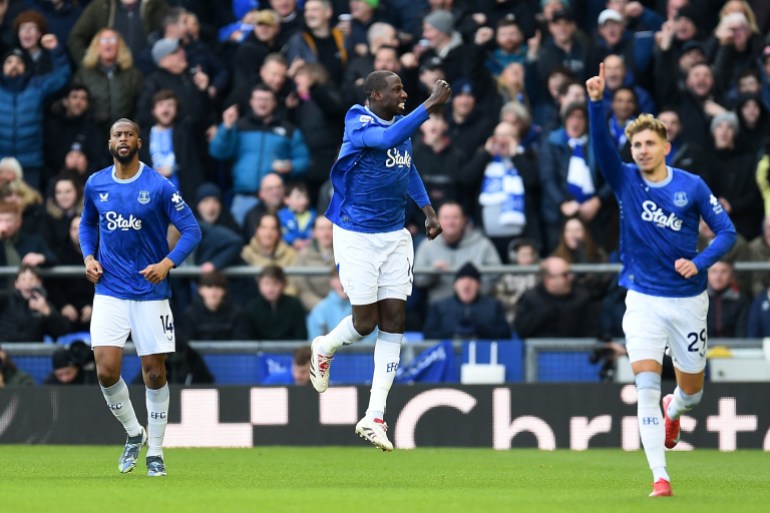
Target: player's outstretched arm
<point>595,85</point>
<point>605,151</point>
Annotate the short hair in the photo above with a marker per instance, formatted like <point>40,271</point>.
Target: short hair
<point>262,87</point>
<point>213,279</point>
<point>7,207</point>
<point>125,120</point>
<point>76,87</point>
<point>30,16</point>
<point>646,122</point>
<point>302,355</point>
<point>23,268</point>
<point>297,186</point>
<point>165,94</point>
<point>273,271</point>
<point>376,81</point>
<point>564,86</point>
<point>276,57</point>
<point>507,21</point>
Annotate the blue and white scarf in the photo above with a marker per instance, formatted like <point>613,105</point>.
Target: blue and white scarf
<point>503,186</point>
<point>580,183</point>
<point>618,133</point>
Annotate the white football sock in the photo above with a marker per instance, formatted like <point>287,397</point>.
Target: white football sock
<point>343,334</point>
<point>157,419</point>
<point>682,403</point>
<point>651,425</point>
<point>120,405</point>
<point>387,354</point>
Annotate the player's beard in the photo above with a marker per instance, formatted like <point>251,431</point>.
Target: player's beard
<point>124,159</point>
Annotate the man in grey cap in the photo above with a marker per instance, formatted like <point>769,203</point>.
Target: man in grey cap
<point>189,84</point>
<point>458,59</point>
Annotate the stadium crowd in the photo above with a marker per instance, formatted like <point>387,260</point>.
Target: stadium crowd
<point>241,105</point>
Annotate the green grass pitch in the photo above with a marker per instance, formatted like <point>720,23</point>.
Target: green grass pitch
<point>66,479</point>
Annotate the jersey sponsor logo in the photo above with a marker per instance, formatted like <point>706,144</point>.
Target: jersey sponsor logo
<point>680,199</point>
<point>116,221</point>
<point>177,200</point>
<point>716,206</point>
<point>103,196</point>
<point>144,197</point>
<point>396,159</point>
<point>652,213</point>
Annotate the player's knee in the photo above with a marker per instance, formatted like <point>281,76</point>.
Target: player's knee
<point>364,326</point>
<point>107,377</point>
<point>647,381</point>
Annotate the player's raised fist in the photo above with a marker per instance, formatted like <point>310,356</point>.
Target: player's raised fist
<point>595,85</point>
<point>438,97</point>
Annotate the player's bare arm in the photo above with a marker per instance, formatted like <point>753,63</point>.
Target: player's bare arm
<point>439,96</point>
<point>432,227</point>
<point>595,85</point>
<point>94,269</point>
<point>686,268</point>
<point>156,273</point>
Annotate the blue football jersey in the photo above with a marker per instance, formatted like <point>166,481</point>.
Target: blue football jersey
<point>374,172</point>
<point>132,218</point>
<point>659,221</point>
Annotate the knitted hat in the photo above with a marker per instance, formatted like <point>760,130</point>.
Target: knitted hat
<point>468,271</point>
<point>163,47</point>
<point>441,20</point>
<point>207,190</point>
<point>727,117</point>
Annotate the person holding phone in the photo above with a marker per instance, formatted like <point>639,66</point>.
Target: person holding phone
<point>26,315</point>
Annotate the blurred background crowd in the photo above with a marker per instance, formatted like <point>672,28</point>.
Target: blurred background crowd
<point>241,104</point>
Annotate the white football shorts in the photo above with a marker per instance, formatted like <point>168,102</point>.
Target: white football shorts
<point>150,324</point>
<point>651,323</point>
<point>374,266</point>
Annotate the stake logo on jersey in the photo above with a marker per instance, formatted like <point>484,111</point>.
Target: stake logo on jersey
<point>652,213</point>
<point>116,221</point>
<point>396,159</point>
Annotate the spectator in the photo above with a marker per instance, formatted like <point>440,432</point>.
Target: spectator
<point>25,313</point>
<point>556,307</point>
<point>320,42</point>
<point>10,375</point>
<point>739,44</point>
<point>684,155</point>
<point>635,49</point>
<point>759,251</point>
<point>191,88</point>
<point>566,47</point>
<point>616,77</point>
<point>252,51</point>
<point>458,244</point>
<point>467,314</point>
<point>291,20</point>
<point>572,184</point>
<point>202,57</point>
<point>27,199</point>
<point>120,15</point>
<point>273,73</point>
<point>731,174</point>
<point>378,36</point>
<point>60,15</point>
<point>22,97</point>
<point>753,122</point>
<point>511,286</point>
<point>319,253</point>
<point>65,203</point>
<point>469,124</point>
<point>72,365</point>
<point>697,105</point>
<point>318,115</point>
<point>577,246</point>
<point>213,315</point>
<point>266,246</point>
<point>209,208</point>
<point>510,46</point>
<point>297,217</point>
<point>107,70</point>
<point>510,195</point>
<point>759,315</point>
<point>327,313</point>
<point>72,295</point>
<point>274,315</point>
<point>728,306</point>
<point>270,198</point>
<point>300,370</point>
<point>623,110</point>
<point>258,143</point>
<point>20,247</point>
<point>29,27</point>
<point>69,127</point>
<point>170,145</point>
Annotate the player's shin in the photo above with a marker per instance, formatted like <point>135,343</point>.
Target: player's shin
<point>157,419</point>
<point>651,427</point>
<point>387,354</point>
<point>120,405</point>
